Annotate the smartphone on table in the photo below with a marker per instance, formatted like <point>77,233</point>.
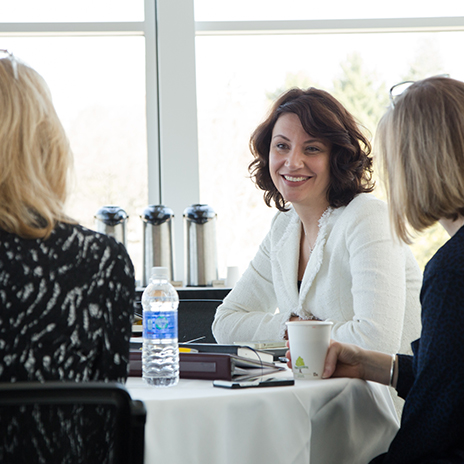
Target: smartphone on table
<point>253,383</point>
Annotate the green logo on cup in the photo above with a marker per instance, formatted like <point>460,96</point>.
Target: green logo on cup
<point>300,364</point>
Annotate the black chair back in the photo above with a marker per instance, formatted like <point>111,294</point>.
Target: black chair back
<point>70,422</point>
<point>195,318</point>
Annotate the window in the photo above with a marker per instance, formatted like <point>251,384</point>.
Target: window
<point>263,48</point>
<point>128,77</point>
<point>101,102</point>
<point>110,73</point>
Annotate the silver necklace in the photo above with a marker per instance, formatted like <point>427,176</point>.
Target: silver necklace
<point>311,248</point>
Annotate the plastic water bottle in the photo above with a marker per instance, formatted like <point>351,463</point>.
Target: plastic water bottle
<point>160,355</point>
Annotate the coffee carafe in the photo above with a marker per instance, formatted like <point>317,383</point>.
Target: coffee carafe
<point>158,239</point>
<point>111,220</point>
<point>200,249</point>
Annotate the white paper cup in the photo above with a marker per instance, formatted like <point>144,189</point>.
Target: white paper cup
<point>232,276</point>
<point>309,341</point>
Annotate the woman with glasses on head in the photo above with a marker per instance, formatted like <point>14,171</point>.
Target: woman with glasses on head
<point>329,254</point>
<point>421,143</point>
<point>66,293</point>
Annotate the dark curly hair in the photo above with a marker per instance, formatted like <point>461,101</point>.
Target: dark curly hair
<point>321,116</point>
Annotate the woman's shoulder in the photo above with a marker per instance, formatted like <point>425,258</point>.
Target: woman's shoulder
<point>449,257</point>
<point>70,232</point>
<point>364,210</point>
<point>367,202</point>
<point>284,216</point>
<point>86,243</point>
<point>283,219</point>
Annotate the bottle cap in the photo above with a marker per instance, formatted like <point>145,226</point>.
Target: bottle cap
<point>159,271</point>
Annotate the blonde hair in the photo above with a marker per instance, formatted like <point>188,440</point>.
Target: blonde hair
<point>421,145</point>
<point>35,156</point>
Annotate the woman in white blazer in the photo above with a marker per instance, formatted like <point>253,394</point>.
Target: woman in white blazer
<point>329,253</point>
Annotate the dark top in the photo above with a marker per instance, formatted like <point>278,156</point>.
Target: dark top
<point>432,381</point>
<point>66,306</point>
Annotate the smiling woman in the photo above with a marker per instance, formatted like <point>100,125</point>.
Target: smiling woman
<point>329,254</point>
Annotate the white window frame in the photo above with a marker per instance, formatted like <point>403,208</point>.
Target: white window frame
<point>171,113</point>
<point>330,26</point>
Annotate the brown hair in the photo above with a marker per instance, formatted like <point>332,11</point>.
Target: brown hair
<point>34,154</point>
<point>321,116</point>
<point>421,144</point>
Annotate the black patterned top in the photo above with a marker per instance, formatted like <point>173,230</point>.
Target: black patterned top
<point>66,305</point>
<point>432,381</point>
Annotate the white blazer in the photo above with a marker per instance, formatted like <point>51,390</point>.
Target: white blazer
<point>358,276</point>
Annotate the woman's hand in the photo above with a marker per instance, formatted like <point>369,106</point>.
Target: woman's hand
<point>344,360</point>
<point>288,356</point>
<point>293,317</point>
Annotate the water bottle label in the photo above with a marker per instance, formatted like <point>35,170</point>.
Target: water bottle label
<point>159,324</point>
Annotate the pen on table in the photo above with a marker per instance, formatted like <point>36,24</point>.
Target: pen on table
<point>187,350</point>
<point>283,359</point>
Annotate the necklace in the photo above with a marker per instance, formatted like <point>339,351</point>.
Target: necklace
<point>311,247</point>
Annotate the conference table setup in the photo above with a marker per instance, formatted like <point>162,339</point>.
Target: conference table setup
<point>339,421</point>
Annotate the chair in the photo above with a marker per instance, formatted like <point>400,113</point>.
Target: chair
<point>195,318</point>
<point>70,422</point>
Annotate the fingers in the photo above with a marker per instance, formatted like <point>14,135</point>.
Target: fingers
<point>331,359</point>
<point>288,356</point>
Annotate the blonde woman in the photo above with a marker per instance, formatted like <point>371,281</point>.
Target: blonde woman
<point>66,293</point>
<point>422,146</point>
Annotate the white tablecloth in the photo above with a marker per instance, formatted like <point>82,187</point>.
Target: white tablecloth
<point>337,421</point>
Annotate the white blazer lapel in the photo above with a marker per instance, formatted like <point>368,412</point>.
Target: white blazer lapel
<point>315,260</point>
<point>285,261</point>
